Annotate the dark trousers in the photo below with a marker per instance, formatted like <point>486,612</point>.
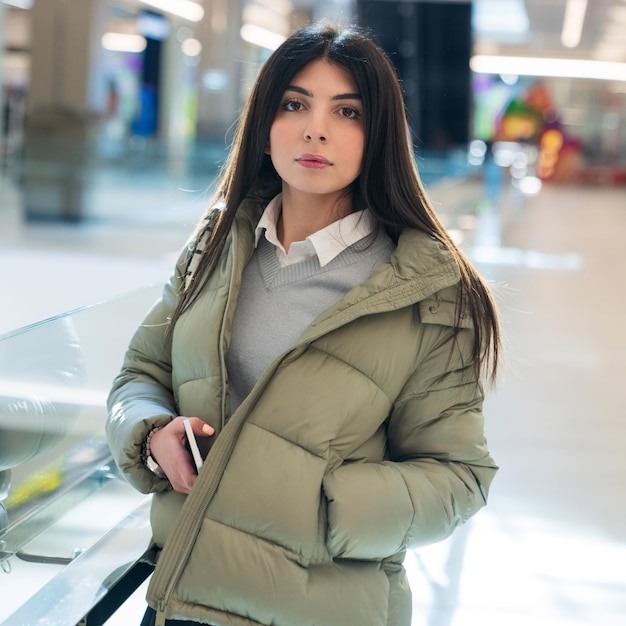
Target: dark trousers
<point>149,619</point>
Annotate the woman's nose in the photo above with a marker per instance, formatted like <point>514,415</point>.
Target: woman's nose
<point>315,130</point>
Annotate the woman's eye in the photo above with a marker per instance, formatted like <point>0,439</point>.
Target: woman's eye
<point>292,105</point>
<point>350,113</point>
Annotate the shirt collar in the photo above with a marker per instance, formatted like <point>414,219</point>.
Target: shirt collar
<point>326,243</point>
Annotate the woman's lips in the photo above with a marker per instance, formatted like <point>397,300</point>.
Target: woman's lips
<point>313,161</point>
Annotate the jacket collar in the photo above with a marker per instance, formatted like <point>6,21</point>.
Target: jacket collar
<point>419,270</point>
<point>419,266</point>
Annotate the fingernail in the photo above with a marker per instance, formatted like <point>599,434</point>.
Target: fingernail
<point>209,430</point>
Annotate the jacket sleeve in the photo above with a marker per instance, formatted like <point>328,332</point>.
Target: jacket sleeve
<point>439,469</point>
<point>141,395</point>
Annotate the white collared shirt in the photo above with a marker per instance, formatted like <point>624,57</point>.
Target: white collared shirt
<point>326,243</point>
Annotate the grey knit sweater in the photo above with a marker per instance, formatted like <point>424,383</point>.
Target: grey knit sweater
<point>276,304</point>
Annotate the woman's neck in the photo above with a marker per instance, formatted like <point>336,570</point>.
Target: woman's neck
<point>302,216</point>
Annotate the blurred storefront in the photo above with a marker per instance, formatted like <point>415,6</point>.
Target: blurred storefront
<point>93,84</point>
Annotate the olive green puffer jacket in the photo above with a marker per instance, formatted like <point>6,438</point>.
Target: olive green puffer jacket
<point>362,440</point>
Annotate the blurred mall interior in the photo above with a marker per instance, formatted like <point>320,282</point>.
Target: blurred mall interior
<point>117,115</point>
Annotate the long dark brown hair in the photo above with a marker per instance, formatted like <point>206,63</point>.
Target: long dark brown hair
<point>389,184</point>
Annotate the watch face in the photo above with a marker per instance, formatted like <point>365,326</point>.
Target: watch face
<point>154,467</point>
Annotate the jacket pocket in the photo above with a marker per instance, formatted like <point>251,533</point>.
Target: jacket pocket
<point>271,489</point>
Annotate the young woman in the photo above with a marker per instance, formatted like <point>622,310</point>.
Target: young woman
<point>328,343</point>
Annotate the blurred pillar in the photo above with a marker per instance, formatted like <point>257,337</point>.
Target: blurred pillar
<point>430,44</point>
<point>178,96</point>
<point>220,71</point>
<point>67,94</point>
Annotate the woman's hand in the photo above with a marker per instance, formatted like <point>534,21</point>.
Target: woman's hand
<point>168,448</point>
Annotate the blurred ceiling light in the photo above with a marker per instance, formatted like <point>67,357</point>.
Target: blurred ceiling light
<point>573,22</point>
<point>119,42</point>
<point>539,66</point>
<point>509,79</point>
<point>261,36</point>
<point>19,4</point>
<point>191,47</point>
<point>530,185</point>
<point>187,9</point>
<point>215,80</point>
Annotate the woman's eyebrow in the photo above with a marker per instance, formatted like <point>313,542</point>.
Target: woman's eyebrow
<point>340,96</point>
<point>304,92</point>
<point>347,96</point>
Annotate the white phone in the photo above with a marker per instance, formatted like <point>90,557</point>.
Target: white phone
<point>193,446</point>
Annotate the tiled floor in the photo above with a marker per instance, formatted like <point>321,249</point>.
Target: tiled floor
<point>550,548</point>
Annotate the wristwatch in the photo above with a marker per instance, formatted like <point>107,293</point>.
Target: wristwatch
<point>148,459</point>
<point>154,467</point>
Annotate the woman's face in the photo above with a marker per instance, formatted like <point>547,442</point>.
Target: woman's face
<point>317,137</point>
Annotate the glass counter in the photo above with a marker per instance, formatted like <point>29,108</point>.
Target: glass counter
<point>72,531</point>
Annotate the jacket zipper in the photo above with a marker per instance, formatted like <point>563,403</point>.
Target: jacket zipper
<point>221,340</point>
<point>193,526</point>
<point>196,519</point>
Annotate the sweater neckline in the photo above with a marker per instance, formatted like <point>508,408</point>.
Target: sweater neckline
<point>274,275</point>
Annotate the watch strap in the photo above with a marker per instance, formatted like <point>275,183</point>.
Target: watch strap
<point>146,456</point>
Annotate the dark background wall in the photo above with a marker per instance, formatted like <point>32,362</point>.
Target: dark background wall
<point>430,45</point>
